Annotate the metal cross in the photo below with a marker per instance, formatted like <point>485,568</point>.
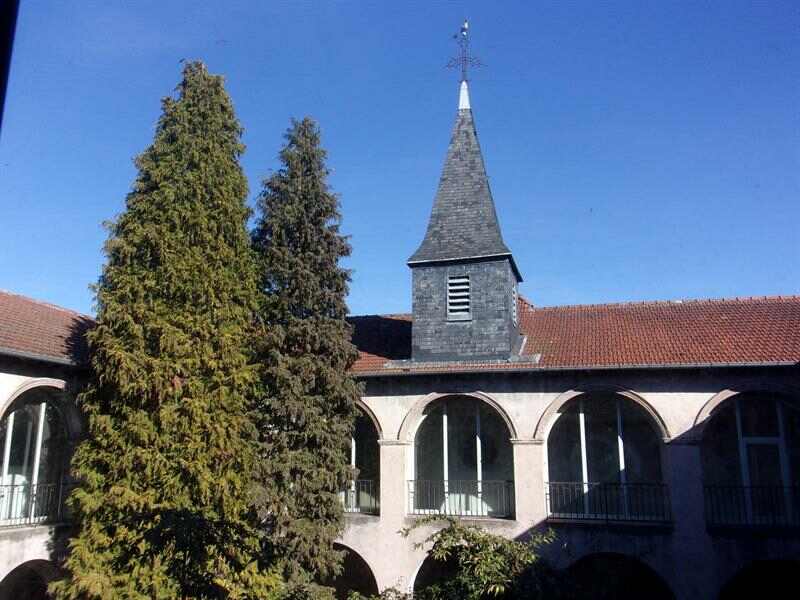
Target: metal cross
<point>464,60</point>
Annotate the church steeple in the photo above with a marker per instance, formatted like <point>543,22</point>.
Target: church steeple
<point>463,223</point>
<point>464,276</point>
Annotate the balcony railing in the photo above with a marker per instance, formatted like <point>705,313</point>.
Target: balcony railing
<point>28,504</point>
<point>755,506</point>
<point>632,502</point>
<point>362,496</point>
<point>461,498</point>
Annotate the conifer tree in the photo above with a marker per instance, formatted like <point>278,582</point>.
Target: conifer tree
<point>308,397</point>
<point>163,508</point>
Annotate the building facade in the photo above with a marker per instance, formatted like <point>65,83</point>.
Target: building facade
<point>659,440</point>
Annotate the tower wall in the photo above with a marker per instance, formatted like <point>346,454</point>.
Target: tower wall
<point>489,334</point>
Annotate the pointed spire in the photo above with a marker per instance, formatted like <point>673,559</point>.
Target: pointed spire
<point>463,222</point>
<point>463,97</point>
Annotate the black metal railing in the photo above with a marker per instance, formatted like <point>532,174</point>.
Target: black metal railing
<point>754,506</point>
<point>26,504</point>
<point>461,498</point>
<point>361,496</point>
<point>636,502</point>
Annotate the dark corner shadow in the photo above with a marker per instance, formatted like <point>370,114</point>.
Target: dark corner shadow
<point>76,343</point>
<point>388,337</point>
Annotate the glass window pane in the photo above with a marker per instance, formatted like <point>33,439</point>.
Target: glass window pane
<point>3,428</point>
<point>764,463</point>
<point>642,445</point>
<point>720,450</point>
<point>461,437</point>
<point>429,450</point>
<point>23,440</point>
<point>498,460</point>
<point>367,456</point>
<point>564,448</point>
<point>791,419</point>
<point>602,449</point>
<point>759,416</point>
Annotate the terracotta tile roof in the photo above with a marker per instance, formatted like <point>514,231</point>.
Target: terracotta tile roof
<point>33,329</point>
<point>740,331</point>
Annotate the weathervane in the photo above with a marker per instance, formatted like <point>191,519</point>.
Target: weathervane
<point>464,60</point>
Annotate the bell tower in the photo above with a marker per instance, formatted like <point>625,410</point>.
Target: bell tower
<point>464,277</point>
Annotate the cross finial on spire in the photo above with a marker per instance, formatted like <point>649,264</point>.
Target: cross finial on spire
<point>464,60</point>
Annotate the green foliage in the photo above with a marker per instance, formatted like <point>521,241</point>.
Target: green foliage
<point>486,565</point>
<point>308,399</point>
<point>163,507</point>
<point>387,594</point>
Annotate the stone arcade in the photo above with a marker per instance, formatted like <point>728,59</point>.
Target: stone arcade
<point>661,440</point>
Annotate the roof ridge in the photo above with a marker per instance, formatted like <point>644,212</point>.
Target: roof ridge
<point>676,302</point>
<point>383,316</point>
<point>46,304</point>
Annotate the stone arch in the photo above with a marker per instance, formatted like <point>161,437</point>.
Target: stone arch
<point>371,416</point>
<point>708,409</point>
<point>552,411</point>
<point>29,580</point>
<point>431,570</point>
<point>56,389</point>
<point>616,576</point>
<point>414,416</point>
<point>356,575</point>
<point>761,578</point>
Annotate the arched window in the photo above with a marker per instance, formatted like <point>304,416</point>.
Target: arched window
<point>463,461</point>
<point>604,461</point>
<point>32,442</point>
<point>751,461</point>
<point>363,492</point>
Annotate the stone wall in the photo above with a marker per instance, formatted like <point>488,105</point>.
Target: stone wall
<point>490,333</point>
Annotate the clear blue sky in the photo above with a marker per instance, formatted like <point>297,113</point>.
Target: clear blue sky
<point>636,150</point>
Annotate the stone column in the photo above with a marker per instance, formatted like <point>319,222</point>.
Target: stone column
<point>529,482</point>
<point>391,557</point>
<point>692,554</point>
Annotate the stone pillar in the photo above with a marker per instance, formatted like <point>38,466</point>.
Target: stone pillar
<point>691,545</point>
<point>391,560</point>
<point>529,482</point>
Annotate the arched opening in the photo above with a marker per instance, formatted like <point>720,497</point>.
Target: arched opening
<point>751,461</point>
<point>29,581</point>
<point>33,443</point>
<point>433,575</point>
<point>604,462</point>
<point>356,576</point>
<point>363,492</point>
<point>764,579</point>
<point>463,461</point>
<point>609,576</point>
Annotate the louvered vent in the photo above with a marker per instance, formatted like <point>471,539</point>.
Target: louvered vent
<point>458,298</point>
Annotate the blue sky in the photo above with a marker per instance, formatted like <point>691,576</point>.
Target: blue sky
<point>636,150</point>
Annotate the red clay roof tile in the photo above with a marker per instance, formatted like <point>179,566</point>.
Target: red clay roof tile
<point>34,329</point>
<point>739,331</point>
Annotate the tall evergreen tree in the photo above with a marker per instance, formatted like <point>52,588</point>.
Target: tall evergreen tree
<point>163,508</point>
<point>308,397</point>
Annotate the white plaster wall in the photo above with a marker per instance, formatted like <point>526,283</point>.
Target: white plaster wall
<point>19,545</point>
